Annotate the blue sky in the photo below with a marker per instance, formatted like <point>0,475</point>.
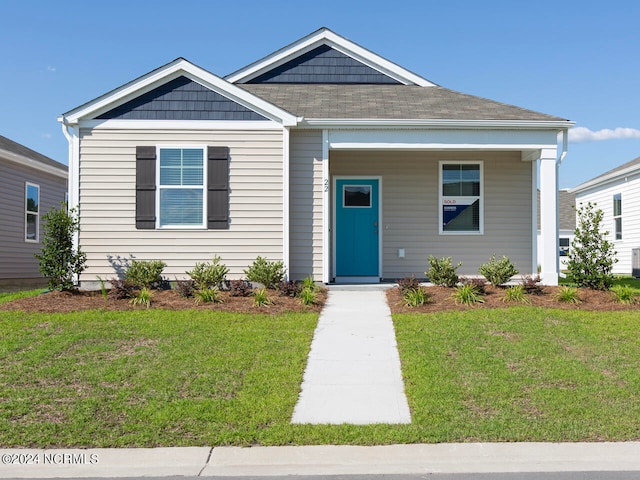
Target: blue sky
<point>573,59</point>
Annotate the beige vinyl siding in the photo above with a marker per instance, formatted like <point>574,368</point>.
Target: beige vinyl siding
<point>107,195</point>
<point>305,204</point>
<point>410,202</point>
<point>17,259</point>
<point>602,197</point>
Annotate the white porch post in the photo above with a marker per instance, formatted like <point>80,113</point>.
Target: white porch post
<point>549,216</point>
<point>326,234</point>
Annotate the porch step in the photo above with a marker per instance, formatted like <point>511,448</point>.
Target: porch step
<point>353,372</point>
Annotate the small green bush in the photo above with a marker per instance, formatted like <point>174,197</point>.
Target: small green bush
<point>209,275</point>
<point>266,272</point>
<point>145,273</point>
<point>568,295</point>
<point>498,272</point>
<point>467,295</point>
<point>625,293</point>
<point>261,298</point>
<point>208,295</point>
<point>309,283</point>
<point>143,297</point>
<point>516,293</point>
<point>442,272</point>
<point>415,297</point>
<point>308,296</point>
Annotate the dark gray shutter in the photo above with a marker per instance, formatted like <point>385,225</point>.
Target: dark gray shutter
<point>218,188</point>
<point>146,188</point>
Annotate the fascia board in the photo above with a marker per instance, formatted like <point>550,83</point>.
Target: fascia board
<point>30,163</point>
<point>605,179</point>
<point>326,36</point>
<point>169,72</point>
<point>437,123</point>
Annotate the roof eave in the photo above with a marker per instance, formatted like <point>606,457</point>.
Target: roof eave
<point>604,179</point>
<point>439,123</point>
<point>29,162</point>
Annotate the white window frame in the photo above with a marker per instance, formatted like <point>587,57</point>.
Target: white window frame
<point>203,225</point>
<point>441,198</point>
<point>617,232</point>
<point>27,213</point>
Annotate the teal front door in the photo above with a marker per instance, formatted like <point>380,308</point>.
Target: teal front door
<point>357,228</point>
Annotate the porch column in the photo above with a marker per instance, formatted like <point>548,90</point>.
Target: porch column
<point>326,202</point>
<point>549,216</point>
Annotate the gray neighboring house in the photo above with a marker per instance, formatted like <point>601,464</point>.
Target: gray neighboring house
<point>617,193</point>
<point>32,184</point>
<point>323,154</point>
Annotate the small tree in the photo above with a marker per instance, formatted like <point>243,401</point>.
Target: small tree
<point>592,256</point>
<point>58,259</point>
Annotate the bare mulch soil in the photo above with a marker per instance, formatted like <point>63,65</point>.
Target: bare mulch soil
<point>162,299</point>
<point>441,300</point>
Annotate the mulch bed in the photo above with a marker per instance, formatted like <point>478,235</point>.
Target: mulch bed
<point>162,299</point>
<point>441,300</point>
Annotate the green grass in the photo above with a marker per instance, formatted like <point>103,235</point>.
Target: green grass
<point>155,378</point>
<point>10,296</point>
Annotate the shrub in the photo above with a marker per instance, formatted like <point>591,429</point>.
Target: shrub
<point>143,297</point>
<point>498,272</point>
<point>266,272</point>
<point>308,296</point>
<point>408,283</point>
<point>289,289</point>
<point>625,293</point>
<point>415,297</point>
<point>480,284</point>
<point>185,288</point>
<point>591,256</point>
<point>239,288</point>
<point>516,293</point>
<point>121,288</point>
<point>58,260</point>
<point>145,273</point>
<point>309,283</point>
<point>442,272</point>
<point>208,275</point>
<point>568,295</point>
<point>208,295</point>
<point>261,298</point>
<point>532,285</point>
<point>467,295</point>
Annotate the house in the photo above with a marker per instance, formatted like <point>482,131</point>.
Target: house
<point>32,184</point>
<point>617,194</point>
<point>342,164</point>
<point>566,225</point>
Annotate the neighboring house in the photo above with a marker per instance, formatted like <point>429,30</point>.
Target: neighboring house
<point>31,185</point>
<point>617,194</point>
<point>323,154</point>
<point>566,225</point>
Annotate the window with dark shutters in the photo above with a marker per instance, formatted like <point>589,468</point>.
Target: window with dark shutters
<point>145,188</point>
<point>218,188</point>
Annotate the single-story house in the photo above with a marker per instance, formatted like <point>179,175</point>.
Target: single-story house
<point>617,193</point>
<point>32,184</point>
<point>341,163</point>
<point>566,225</point>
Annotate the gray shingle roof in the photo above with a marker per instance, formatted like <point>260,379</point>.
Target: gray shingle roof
<point>624,166</point>
<point>18,149</point>
<point>392,102</point>
<point>566,210</point>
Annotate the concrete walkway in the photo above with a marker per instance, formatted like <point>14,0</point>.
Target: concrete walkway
<point>353,373</point>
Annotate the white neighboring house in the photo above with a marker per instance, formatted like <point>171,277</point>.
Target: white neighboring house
<point>566,225</point>
<point>617,194</point>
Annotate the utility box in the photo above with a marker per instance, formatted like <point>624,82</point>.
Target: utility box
<point>635,262</point>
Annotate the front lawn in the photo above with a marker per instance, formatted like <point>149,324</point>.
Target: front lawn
<point>176,378</point>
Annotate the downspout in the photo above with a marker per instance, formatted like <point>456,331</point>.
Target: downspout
<point>72,191</point>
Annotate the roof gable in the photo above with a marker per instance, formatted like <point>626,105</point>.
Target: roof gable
<point>181,99</point>
<point>311,57</point>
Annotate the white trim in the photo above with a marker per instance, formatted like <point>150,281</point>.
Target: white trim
<point>438,123</point>
<point>480,197</point>
<point>160,76</point>
<point>202,226</point>
<point>285,202</point>
<point>324,36</point>
<point>606,179</point>
<point>326,202</point>
<point>27,213</point>
<point>35,164</point>
<point>180,125</point>
<point>334,189</point>
<point>550,261</point>
<point>534,219</point>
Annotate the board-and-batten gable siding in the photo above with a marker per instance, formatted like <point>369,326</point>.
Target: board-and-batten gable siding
<point>17,256</point>
<point>410,209</point>
<point>305,191</point>
<point>603,198</point>
<point>107,198</point>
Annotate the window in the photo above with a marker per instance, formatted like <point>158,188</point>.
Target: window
<point>181,189</point>
<point>617,215</point>
<point>461,198</point>
<point>32,210</point>
<point>356,196</point>
<point>565,245</point>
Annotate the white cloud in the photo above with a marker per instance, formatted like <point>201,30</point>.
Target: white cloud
<point>583,134</point>
<point>51,69</point>
<point>47,135</point>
